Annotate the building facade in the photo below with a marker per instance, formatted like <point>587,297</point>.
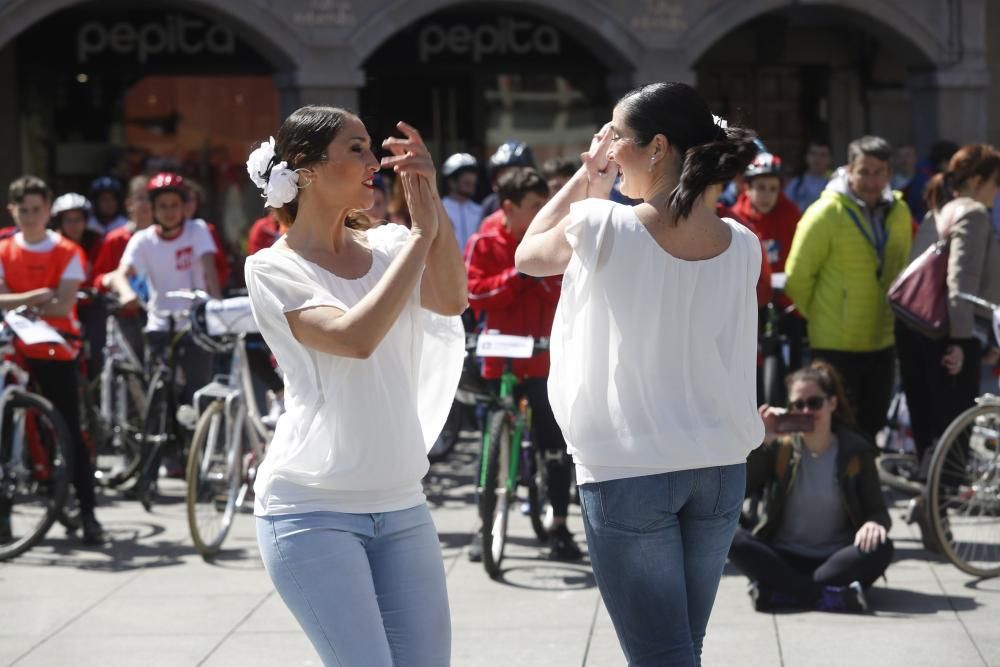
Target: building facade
<point>93,86</point>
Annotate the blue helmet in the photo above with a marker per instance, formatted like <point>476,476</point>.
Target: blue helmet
<point>105,184</point>
<point>512,153</point>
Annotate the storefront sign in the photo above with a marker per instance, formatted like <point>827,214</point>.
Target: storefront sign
<point>505,36</point>
<point>173,35</point>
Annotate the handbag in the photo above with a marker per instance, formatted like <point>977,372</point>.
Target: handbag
<point>919,296</point>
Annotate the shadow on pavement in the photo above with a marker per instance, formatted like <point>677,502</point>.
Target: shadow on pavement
<point>547,576</point>
<point>902,602</point>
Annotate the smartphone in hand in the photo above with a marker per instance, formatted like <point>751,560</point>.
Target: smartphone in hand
<point>795,422</point>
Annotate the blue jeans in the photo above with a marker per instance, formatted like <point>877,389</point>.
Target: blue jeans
<point>368,589</point>
<point>658,545</point>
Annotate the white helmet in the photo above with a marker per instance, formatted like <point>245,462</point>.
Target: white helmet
<point>456,162</point>
<point>68,202</point>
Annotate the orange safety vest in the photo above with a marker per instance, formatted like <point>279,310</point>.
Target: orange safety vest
<point>25,270</point>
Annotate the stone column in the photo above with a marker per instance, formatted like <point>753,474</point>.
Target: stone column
<point>950,103</point>
<point>328,86</point>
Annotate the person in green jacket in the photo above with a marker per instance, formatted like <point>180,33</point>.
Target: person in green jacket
<point>849,247</point>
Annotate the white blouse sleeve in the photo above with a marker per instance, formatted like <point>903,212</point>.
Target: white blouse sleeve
<point>280,286</point>
<point>588,226</point>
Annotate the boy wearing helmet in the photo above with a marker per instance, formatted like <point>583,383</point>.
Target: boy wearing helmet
<point>763,204</point>
<point>70,213</point>
<point>173,254</point>
<point>105,196</point>
<point>42,269</point>
<point>461,176</point>
<point>510,155</point>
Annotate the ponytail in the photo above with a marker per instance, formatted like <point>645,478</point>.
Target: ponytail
<point>938,191</point>
<point>718,161</point>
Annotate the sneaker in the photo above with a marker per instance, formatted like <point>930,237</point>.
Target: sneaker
<point>93,532</point>
<point>765,600</point>
<point>843,599</point>
<point>753,590</point>
<point>562,546</point>
<point>916,512</point>
<point>476,548</point>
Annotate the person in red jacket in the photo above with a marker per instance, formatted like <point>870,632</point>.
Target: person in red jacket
<point>764,204</point>
<point>516,304</point>
<point>263,233</point>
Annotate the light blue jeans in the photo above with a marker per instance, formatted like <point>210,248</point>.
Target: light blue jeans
<point>368,589</point>
<point>658,545</point>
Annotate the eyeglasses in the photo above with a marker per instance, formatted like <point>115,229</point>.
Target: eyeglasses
<point>814,403</point>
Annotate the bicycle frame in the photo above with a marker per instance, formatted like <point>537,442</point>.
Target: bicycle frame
<point>508,381</point>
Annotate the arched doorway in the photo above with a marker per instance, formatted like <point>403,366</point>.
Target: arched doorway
<point>472,76</point>
<point>819,71</point>
<point>112,88</point>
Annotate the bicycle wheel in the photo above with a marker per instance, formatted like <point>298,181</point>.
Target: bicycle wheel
<point>213,480</point>
<point>964,484</point>
<point>119,453</point>
<point>156,436</point>
<point>539,507</point>
<point>35,458</point>
<point>494,500</point>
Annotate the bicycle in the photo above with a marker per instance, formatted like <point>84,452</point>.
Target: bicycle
<point>35,445</point>
<point>230,436</point>
<point>508,458</point>
<point>166,421</point>
<point>115,403</point>
<point>964,481</point>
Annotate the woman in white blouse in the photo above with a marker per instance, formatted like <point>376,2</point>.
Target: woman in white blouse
<point>355,318</point>
<point>653,360</point>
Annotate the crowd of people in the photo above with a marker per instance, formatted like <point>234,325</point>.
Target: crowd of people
<point>648,262</point>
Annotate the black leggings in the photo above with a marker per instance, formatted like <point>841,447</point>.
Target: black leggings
<point>804,578</point>
<point>59,381</point>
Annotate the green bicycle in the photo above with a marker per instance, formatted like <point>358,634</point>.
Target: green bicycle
<point>508,459</point>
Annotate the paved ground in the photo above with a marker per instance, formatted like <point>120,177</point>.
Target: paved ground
<point>150,600</point>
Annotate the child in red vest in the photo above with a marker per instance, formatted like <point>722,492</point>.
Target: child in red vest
<point>42,269</point>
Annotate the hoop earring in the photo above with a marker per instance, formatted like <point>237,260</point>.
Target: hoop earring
<point>302,173</point>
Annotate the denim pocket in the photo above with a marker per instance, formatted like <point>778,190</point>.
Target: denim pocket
<point>732,488</point>
<point>635,504</point>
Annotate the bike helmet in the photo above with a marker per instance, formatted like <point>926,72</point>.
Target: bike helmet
<point>71,201</point>
<point>511,153</point>
<point>765,164</point>
<point>105,184</point>
<point>167,182</point>
<point>457,163</point>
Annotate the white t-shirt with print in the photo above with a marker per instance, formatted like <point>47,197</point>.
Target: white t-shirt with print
<point>355,433</point>
<point>73,270</point>
<point>173,264</point>
<point>653,357</point>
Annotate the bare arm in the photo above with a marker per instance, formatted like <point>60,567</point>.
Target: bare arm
<point>443,289</point>
<point>544,250</point>
<point>9,301</point>
<point>358,331</point>
<point>65,299</point>
<point>211,276</point>
<point>117,282</point>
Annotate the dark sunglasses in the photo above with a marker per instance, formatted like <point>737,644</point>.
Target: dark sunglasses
<point>813,403</point>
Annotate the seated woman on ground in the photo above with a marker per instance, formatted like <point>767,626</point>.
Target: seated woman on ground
<point>821,539</point>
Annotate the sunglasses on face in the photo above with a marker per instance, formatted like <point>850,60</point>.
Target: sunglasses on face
<point>813,403</point>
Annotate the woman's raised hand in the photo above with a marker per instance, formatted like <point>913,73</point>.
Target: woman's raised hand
<point>601,170</point>
<point>410,155</point>
<point>421,200</point>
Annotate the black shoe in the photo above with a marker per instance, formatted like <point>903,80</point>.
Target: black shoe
<point>562,546</point>
<point>916,512</point>
<point>476,548</point>
<point>6,535</point>
<point>765,600</point>
<point>93,532</point>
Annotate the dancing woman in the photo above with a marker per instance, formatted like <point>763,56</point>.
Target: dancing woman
<point>363,324</point>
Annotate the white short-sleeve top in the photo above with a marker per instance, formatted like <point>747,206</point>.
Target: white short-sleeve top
<point>653,357</point>
<point>355,433</point>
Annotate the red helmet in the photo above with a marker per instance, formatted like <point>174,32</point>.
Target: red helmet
<point>167,182</point>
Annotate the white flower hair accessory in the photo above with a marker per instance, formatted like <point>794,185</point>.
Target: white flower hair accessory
<point>721,122</point>
<point>279,183</point>
<point>282,186</point>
